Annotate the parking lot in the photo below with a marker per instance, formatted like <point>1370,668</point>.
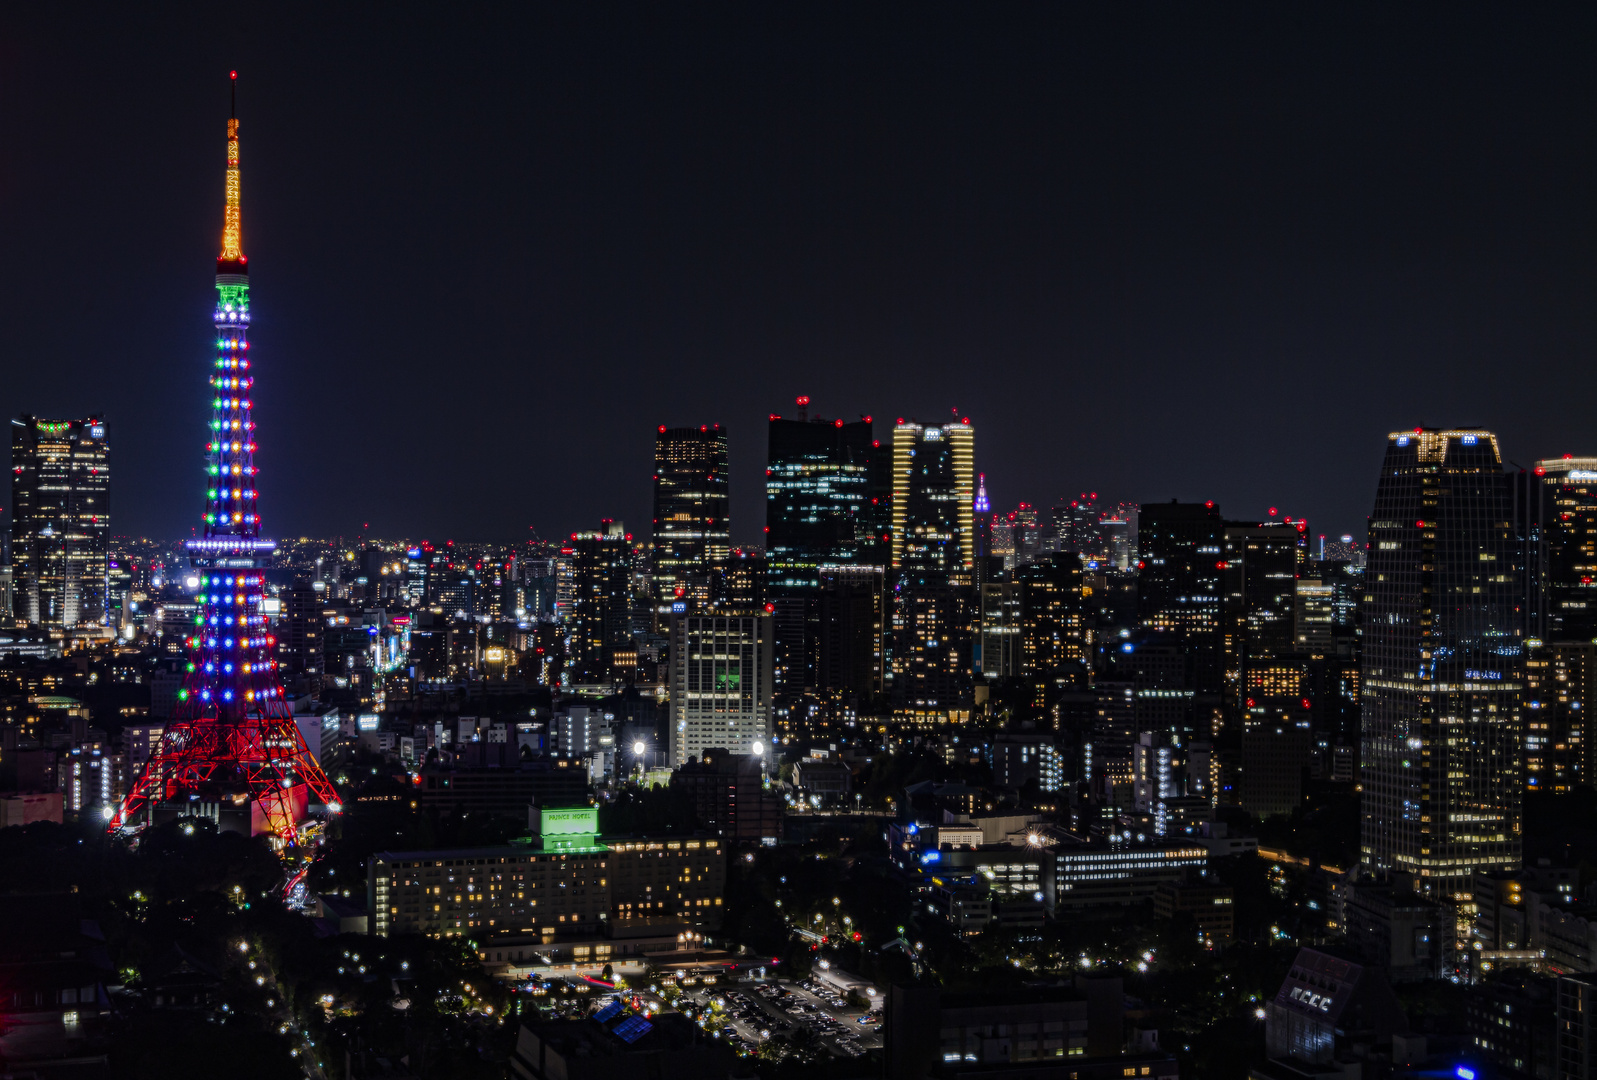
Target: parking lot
<point>760,1010</point>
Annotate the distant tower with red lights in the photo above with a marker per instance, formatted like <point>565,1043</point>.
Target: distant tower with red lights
<point>232,741</point>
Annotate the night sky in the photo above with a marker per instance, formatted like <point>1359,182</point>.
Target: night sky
<point>1194,251</point>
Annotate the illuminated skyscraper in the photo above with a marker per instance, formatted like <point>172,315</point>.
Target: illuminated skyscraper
<point>232,734</point>
<point>934,493</point>
<point>935,606</point>
<point>1444,664</point>
<point>1565,556</point>
<point>691,532</point>
<point>60,521</point>
<point>597,625</point>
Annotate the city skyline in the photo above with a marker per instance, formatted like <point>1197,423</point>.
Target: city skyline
<point>1254,290</point>
<point>1115,715</point>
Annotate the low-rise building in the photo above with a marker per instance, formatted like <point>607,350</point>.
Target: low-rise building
<point>1577,1025</point>
<point>568,885</point>
<point>1211,905</point>
<point>1073,1031</point>
<point>1510,1021</point>
<point>730,796</point>
<point>1325,1005</point>
<point>823,781</point>
<point>1027,759</point>
<point>1393,927</point>
<point>1097,873</point>
<point>504,790</point>
<point>24,808</point>
<point>967,908</point>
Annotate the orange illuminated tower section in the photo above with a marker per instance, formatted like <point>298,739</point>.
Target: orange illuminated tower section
<point>232,742</point>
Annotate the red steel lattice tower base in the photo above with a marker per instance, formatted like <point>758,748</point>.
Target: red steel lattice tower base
<point>232,737</point>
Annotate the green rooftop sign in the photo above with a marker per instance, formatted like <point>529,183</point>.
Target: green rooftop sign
<point>576,829</point>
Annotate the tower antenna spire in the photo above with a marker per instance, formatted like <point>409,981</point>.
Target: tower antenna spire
<point>232,258</point>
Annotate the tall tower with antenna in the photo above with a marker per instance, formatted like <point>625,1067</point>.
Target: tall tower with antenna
<point>232,743</point>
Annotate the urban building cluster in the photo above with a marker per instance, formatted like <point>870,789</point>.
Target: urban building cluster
<point>1124,676</point>
<point>1102,707</point>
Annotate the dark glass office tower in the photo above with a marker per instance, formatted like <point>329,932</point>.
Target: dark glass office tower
<point>820,482</point>
<point>60,521</point>
<point>1181,549</point>
<point>851,625</point>
<point>692,539</point>
<point>1444,664</point>
<point>817,490</point>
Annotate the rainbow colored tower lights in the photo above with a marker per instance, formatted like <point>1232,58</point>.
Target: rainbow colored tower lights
<point>232,740</point>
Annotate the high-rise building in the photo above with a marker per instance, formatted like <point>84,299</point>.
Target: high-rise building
<point>851,626</point>
<point>1444,664</point>
<point>1563,563</point>
<point>933,651</point>
<point>934,553</point>
<point>1119,541</point>
<point>692,540</point>
<point>1560,687</point>
<point>1053,625</point>
<point>598,625</point>
<point>817,499</point>
<point>1179,585</point>
<point>1314,615</point>
<point>1028,535</point>
<point>233,732</point>
<point>60,521</point>
<point>720,689</point>
<point>934,493</point>
<point>1077,528</point>
<point>1259,608</point>
<point>415,587</point>
<point>999,636</point>
<point>826,496</point>
<point>982,518</point>
<point>741,584</point>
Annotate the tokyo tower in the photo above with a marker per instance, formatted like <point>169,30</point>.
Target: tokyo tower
<point>232,738</point>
